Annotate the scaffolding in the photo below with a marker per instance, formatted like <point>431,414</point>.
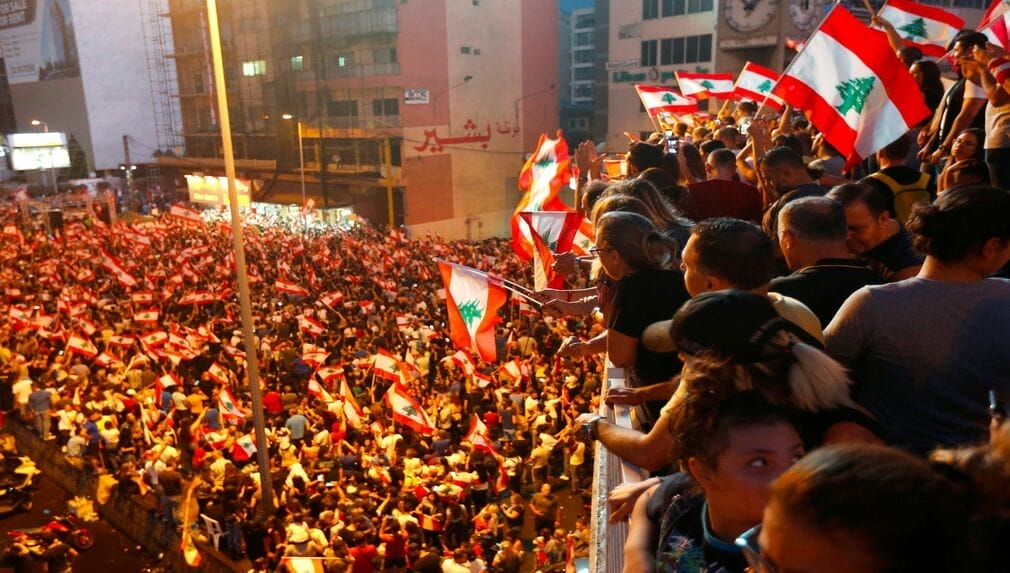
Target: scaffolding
<point>162,75</point>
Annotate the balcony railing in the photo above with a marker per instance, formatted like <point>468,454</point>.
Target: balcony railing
<point>347,26</point>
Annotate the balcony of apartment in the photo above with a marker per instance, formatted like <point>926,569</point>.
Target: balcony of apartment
<point>346,27</point>
<point>352,71</point>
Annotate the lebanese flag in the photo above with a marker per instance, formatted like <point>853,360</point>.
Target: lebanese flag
<point>478,435</point>
<point>88,326</point>
<point>407,410</point>
<point>290,288</point>
<point>663,99</point>
<point>112,265</point>
<point>122,341</point>
<point>154,339</point>
<point>705,85</point>
<point>854,88</point>
<point>997,27</point>
<point>332,299</point>
<point>543,176</point>
<point>386,365</point>
<point>315,358</point>
<point>330,373</point>
<point>997,9</point>
<point>309,325</point>
<point>107,359</point>
<point>462,357</point>
<point>926,27</point>
<point>513,370</point>
<point>229,408</point>
<point>217,373</point>
<point>755,83</point>
<point>473,299</point>
<point>150,315</point>
<point>189,550</point>
<point>483,380</point>
<point>320,393</point>
<point>585,238</point>
<point>245,448</point>
<point>185,214</point>
<point>142,297</point>
<point>352,411</point>
<point>167,381</point>
<point>553,232</point>
<point>83,346</point>
<point>198,298</point>
<point>85,276</point>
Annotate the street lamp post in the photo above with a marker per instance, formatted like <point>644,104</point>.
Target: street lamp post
<point>52,162</point>
<point>301,169</point>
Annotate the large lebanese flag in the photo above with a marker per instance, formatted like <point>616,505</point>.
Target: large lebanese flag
<point>926,27</point>
<point>704,85</point>
<point>660,99</point>
<point>473,299</point>
<point>755,83</point>
<point>553,232</point>
<point>385,365</point>
<point>542,177</point>
<point>407,410</point>
<point>854,88</point>
<point>996,24</point>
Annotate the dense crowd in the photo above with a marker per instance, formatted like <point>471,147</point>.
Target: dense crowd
<point>764,301</point>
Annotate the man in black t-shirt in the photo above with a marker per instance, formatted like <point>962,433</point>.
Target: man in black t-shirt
<point>874,234</point>
<point>812,234</point>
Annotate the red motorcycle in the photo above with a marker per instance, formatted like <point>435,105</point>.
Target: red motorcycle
<point>64,527</point>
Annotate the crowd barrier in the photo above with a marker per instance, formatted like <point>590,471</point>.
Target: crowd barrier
<point>122,512</point>
<point>609,471</point>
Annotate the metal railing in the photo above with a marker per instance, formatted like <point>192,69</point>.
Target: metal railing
<point>609,471</point>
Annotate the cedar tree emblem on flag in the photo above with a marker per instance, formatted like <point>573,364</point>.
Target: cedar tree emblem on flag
<point>854,94</point>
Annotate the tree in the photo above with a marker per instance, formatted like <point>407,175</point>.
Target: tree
<point>854,93</point>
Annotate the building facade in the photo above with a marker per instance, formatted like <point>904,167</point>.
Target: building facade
<point>67,72</point>
<point>439,99</point>
<point>647,42</point>
<point>578,73</point>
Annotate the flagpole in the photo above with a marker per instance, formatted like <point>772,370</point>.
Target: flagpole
<point>252,363</point>
<point>764,102</point>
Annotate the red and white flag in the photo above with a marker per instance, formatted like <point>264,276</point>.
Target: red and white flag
<point>553,233</point>
<point>311,326</point>
<point>478,435</point>
<point>316,390</point>
<point>543,176</point>
<point>705,85</point>
<point>483,380</point>
<point>332,299</point>
<point>407,410</point>
<point>755,83</point>
<point>473,299</point>
<point>352,411</point>
<point>154,339</point>
<point>513,369</point>
<point>926,27</point>
<point>665,99</point>
<point>315,358</point>
<point>996,24</point>
<point>328,374</point>
<point>229,408</point>
<point>189,551</point>
<point>218,373</point>
<point>149,316</point>
<point>144,297</point>
<point>113,266</point>
<point>88,326</point>
<point>386,365</point>
<point>856,91</point>
<point>291,288</point>
<point>185,214</point>
<point>198,298</point>
<point>462,358</point>
<point>997,9</point>
<point>121,341</point>
<point>107,359</point>
<point>83,346</point>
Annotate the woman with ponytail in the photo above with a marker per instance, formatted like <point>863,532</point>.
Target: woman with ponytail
<point>872,509</point>
<point>927,350</point>
<point>643,262</point>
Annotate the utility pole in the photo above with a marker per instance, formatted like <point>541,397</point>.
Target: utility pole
<point>387,151</point>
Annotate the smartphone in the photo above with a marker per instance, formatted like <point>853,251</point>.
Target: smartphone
<point>997,407</point>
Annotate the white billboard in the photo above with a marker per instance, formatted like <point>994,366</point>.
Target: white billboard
<point>37,40</point>
<point>38,150</point>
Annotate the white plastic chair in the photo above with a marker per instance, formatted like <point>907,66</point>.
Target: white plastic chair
<point>214,530</point>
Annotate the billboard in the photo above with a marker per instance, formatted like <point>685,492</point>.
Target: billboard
<point>38,150</point>
<point>213,190</point>
<point>37,40</point>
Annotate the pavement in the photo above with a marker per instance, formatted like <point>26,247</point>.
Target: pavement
<point>112,551</point>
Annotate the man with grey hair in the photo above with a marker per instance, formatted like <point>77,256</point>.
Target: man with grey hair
<point>811,233</point>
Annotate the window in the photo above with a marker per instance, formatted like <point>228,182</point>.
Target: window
<point>681,7</point>
<point>297,63</point>
<point>343,108</point>
<point>384,56</point>
<point>464,49</point>
<point>649,53</point>
<point>476,51</point>
<point>389,106</point>
<point>342,61</point>
<point>583,56</point>
<point>584,39</point>
<point>585,21</point>
<point>254,68</point>
<point>650,9</point>
<point>584,73</point>
<point>685,50</point>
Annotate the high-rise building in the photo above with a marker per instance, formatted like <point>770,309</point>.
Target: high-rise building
<point>457,91</point>
<point>81,68</point>
<point>578,73</point>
